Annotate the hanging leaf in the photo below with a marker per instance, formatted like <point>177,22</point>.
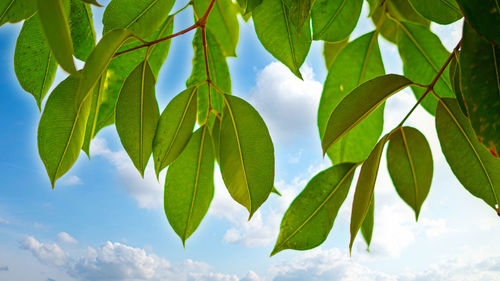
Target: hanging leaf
<point>363,196</point>
<point>189,185</point>
<point>474,166</point>
<point>246,154</point>
<point>358,62</point>
<point>92,120</point>
<point>485,18</point>
<point>331,51</point>
<point>310,217</point>
<point>34,64</point>
<point>442,12</point>
<point>62,128</point>
<point>16,10</point>
<point>423,54</point>
<point>174,129</point>
<point>334,20</point>
<point>54,21</point>
<point>299,11</point>
<point>280,38</point>
<point>222,23</point>
<point>480,86</point>
<point>409,160</point>
<point>137,115</point>
<point>142,17</point>
<point>367,226</point>
<point>82,29</point>
<point>359,104</point>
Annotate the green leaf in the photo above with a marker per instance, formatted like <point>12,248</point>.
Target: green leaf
<point>62,128</point>
<point>299,11</point>
<point>249,5</point>
<point>331,51</point>
<point>93,2</point>
<point>485,18</point>
<point>246,154</point>
<point>174,129</point>
<point>82,29</point>
<point>310,217</point>
<point>189,185</point>
<point>442,11</point>
<point>480,86</point>
<point>219,74</point>
<point>275,191</point>
<point>16,10</point>
<point>54,23</point>
<point>279,37</point>
<point>358,62</point>
<point>216,137</point>
<point>222,23</point>
<point>334,20</point>
<point>142,17</point>
<point>423,54</point>
<point>455,80</point>
<point>363,196</point>
<point>137,115</point>
<point>409,160</point>
<point>94,108</point>
<point>121,66</point>
<point>34,63</point>
<point>359,104</point>
<point>476,168</point>
<point>367,226</point>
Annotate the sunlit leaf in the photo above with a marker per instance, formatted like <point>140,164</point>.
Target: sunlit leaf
<point>310,217</point>
<point>359,104</point>
<point>189,185</point>
<point>275,191</point>
<point>409,160</point>
<point>485,18</point>
<point>367,225</point>
<point>249,5</point>
<point>174,129</point>
<point>34,63</point>
<point>92,120</point>
<point>442,11</point>
<point>334,20</point>
<point>216,137</point>
<point>16,10</point>
<point>93,2</point>
<point>299,11</point>
<point>331,51</point>
<point>137,115</point>
<point>246,154</point>
<point>82,29</point>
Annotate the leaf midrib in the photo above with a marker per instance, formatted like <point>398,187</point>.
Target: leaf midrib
<point>412,166</point>
<point>141,14</point>
<point>7,10</point>
<point>289,33</point>
<point>332,19</point>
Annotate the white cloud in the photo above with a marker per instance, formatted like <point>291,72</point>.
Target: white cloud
<point>64,237</point>
<point>46,253</point>
<point>71,180</point>
<point>5,221</point>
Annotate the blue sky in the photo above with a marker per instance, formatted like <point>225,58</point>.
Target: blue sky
<point>102,222</point>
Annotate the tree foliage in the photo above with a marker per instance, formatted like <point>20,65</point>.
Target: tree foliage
<point>117,86</point>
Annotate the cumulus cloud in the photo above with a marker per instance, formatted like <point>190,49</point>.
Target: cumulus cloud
<point>64,237</point>
<point>71,180</point>
<point>45,253</point>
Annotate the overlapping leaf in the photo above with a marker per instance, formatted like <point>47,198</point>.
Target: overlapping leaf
<point>16,10</point>
<point>334,20</point>
<point>97,94</point>
<point>485,18</point>
<point>299,11</point>
<point>331,51</point>
<point>442,11</point>
<point>82,29</point>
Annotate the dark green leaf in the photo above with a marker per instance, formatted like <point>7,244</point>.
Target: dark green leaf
<point>34,64</point>
<point>189,185</point>
<point>358,62</point>
<point>310,217</point>
<point>334,20</point>
<point>62,128</point>
<point>54,21</point>
<point>16,10</point>
<point>423,54</point>
<point>363,196</point>
<point>94,108</point>
<point>441,11</point>
<point>367,226</point>
<point>480,86</point>
<point>249,5</point>
<point>485,18</point>
<point>299,11</point>
<point>137,115</point>
<point>175,127</point>
<point>359,104</point>
<point>93,2</point>
<point>409,160</point>
<point>474,166</point>
<point>279,37</point>
<point>246,154</point>
<point>331,51</point>
<point>82,29</point>
<point>455,80</point>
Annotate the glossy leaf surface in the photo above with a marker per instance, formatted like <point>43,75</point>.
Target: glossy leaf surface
<point>334,20</point>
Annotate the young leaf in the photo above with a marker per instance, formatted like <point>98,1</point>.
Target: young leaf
<point>137,115</point>
<point>310,217</point>
<point>142,17</point>
<point>62,128</point>
<point>121,66</point>
<point>409,161</point>
<point>358,62</point>
<point>174,129</point>
<point>92,120</point>
<point>367,226</point>
<point>16,10</point>
<point>246,154</point>
<point>442,12</point>
<point>54,21</point>
<point>359,104</point>
<point>423,54</point>
<point>480,86</point>
<point>279,37</point>
<point>474,166</point>
<point>363,196</point>
<point>331,51</point>
<point>34,64</point>
<point>82,29</point>
<point>485,18</point>
<point>219,74</point>
<point>222,23</point>
<point>189,185</point>
<point>334,20</point>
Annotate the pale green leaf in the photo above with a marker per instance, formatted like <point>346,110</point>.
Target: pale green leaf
<point>16,10</point>
<point>82,29</point>
<point>92,120</point>
<point>249,5</point>
<point>440,11</point>
<point>334,20</point>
